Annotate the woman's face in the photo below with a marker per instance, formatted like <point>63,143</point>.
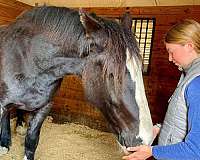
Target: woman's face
<point>181,55</point>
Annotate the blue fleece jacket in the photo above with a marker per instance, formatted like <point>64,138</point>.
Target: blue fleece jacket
<point>189,149</point>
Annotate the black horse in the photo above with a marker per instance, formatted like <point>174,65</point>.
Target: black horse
<point>46,43</point>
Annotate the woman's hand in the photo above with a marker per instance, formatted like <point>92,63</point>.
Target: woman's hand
<point>142,152</point>
<point>139,153</point>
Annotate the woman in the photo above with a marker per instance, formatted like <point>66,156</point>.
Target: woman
<point>179,138</point>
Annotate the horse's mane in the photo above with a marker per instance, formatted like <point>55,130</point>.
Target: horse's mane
<point>59,21</point>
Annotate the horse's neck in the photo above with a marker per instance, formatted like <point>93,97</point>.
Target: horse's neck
<point>65,66</point>
<point>62,67</point>
<point>46,56</point>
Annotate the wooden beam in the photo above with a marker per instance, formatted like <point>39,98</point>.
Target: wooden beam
<point>112,3</point>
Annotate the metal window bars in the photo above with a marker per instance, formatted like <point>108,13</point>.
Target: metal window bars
<point>144,29</point>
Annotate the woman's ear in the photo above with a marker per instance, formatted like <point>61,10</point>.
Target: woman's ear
<point>190,48</point>
<point>190,45</point>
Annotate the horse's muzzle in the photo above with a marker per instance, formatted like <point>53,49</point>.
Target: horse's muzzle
<point>130,140</point>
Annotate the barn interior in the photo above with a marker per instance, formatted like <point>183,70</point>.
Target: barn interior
<point>160,76</point>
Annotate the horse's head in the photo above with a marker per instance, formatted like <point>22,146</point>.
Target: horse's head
<point>113,80</point>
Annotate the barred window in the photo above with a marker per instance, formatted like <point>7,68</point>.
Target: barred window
<point>144,29</point>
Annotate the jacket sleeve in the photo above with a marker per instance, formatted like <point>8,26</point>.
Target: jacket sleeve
<point>189,149</point>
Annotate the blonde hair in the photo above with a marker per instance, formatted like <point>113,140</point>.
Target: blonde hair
<point>183,32</point>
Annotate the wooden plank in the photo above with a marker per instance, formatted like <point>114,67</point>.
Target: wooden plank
<point>15,4</point>
<point>178,10</point>
<point>9,12</point>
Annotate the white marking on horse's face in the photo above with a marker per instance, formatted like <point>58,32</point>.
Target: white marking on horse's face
<point>145,126</point>
<point>25,158</point>
<point>1,111</point>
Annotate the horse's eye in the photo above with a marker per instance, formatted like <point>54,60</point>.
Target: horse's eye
<point>96,48</point>
<point>111,76</point>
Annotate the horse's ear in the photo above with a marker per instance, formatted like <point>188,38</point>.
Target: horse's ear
<point>126,21</point>
<point>89,23</point>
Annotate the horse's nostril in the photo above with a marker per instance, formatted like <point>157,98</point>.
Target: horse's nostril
<point>139,141</point>
<point>130,141</point>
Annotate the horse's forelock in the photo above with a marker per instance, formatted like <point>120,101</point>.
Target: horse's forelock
<point>120,40</point>
<point>115,60</point>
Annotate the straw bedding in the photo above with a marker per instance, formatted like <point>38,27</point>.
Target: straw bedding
<point>68,142</point>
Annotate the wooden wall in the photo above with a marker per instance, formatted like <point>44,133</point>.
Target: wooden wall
<point>69,103</point>
<point>10,9</point>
